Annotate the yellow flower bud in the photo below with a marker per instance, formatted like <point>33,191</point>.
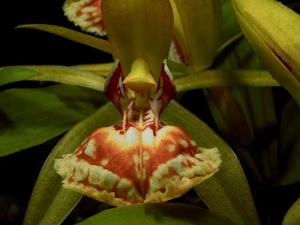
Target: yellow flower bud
<point>273,30</point>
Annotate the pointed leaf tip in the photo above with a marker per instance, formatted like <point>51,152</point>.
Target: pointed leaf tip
<point>72,35</point>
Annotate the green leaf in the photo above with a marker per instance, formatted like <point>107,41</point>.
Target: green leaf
<point>254,112</point>
<point>79,99</point>
<point>14,74</point>
<point>292,217</point>
<point>224,102</point>
<point>230,26</point>
<point>177,69</point>
<point>262,113</point>
<point>221,78</point>
<point>154,214</point>
<point>72,35</point>
<point>102,69</point>
<point>226,193</point>
<point>32,116</point>
<point>60,206</point>
<point>290,140</point>
<point>60,74</point>
<point>50,203</point>
<point>229,42</point>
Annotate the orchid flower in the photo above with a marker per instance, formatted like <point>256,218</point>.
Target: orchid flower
<point>140,159</point>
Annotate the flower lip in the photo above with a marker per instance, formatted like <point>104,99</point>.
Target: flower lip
<point>140,159</point>
<point>134,166</point>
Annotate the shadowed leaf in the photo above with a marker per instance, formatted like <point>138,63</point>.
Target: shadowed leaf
<point>229,24</point>
<point>221,78</point>
<point>14,74</point>
<point>290,144</point>
<point>226,193</point>
<point>72,35</point>
<point>156,214</point>
<point>253,108</point>
<point>50,203</point>
<point>60,74</point>
<point>32,116</point>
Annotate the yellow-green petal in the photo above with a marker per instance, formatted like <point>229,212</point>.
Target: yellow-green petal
<point>273,31</point>
<point>139,29</point>
<point>197,30</point>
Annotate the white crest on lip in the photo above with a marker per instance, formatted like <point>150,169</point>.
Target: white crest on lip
<point>183,143</point>
<point>193,143</point>
<point>129,139</point>
<point>104,162</point>
<point>102,177</point>
<point>171,147</point>
<point>91,148</point>
<point>148,137</point>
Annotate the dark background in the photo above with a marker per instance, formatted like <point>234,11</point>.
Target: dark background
<point>30,47</point>
<point>24,47</point>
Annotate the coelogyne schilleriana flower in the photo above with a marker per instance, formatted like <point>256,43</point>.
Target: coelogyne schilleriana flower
<point>140,159</point>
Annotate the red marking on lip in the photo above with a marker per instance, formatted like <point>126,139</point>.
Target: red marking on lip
<point>114,88</point>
